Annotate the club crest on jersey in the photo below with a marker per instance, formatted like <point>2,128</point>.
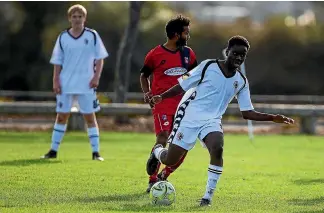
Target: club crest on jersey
<point>175,71</point>
<point>86,41</point>
<point>179,136</point>
<point>235,84</point>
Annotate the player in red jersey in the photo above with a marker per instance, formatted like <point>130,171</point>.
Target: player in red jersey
<point>164,64</point>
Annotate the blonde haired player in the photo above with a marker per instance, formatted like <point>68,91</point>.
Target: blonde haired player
<point>78,59</point>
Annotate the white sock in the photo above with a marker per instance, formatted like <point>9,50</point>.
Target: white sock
<point>158,151</point>
<point>57,136</point>
<point>214,173</point>
<point>93,134</point>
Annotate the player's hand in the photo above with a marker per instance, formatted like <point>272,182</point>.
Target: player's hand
<point>94,83</point>
<point>156,99</point>
<point>283,119</point>
<point>57,87</point>
<point>147,96</point>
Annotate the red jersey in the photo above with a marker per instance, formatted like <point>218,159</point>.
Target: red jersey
<point>166,67</point>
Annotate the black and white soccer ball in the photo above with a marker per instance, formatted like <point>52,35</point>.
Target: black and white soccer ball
<point>162,193</point>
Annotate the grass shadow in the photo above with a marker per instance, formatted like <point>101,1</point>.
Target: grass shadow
<point>308,181</point>
<point>307,202</point>
<point>113,197</point>
<point>137,202</point>
<point>134,207</point>
<point>27,162</point>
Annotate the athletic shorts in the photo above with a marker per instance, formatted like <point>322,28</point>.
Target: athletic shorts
<point>185,135</point>
<point>86,103</point>
<point>162,123</point>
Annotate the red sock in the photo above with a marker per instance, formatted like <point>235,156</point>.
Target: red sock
<point>169,169</point>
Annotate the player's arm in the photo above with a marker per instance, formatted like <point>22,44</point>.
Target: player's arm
<point>98,67</point>
<point>249,113</point>
<point>144,79</point>
<point>186,82</point>
<point>145,73</point>
<point>100,54</point>
<point>57,60</point>
<point>56,79</point>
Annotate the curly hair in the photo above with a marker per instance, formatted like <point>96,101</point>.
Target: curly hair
<point>238,40</point>
<point>176,25</point>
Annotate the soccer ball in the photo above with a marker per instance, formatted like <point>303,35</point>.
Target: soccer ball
<point>162,193</point>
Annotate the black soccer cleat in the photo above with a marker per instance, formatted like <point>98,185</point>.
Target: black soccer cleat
<point>96,156</point>
<point>50,154</point>
<point>150,184</point>
<point>152,163</point>
<point>205,202</point>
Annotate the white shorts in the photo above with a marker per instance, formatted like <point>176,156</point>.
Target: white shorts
<point>185,136</point>
<point>86,103</point>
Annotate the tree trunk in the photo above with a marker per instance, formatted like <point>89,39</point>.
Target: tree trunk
<point>124,57</point>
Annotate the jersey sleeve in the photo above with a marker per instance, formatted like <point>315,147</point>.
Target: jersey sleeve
<point>148,66</point>
<point>244,98</point>
<point>100,49</point>
<point>57,54</point>
<point>191,78</point>
<point>193,60</point>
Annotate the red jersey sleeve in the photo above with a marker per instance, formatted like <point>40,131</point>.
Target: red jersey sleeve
<point>193,60</point>
<point>148,66</point>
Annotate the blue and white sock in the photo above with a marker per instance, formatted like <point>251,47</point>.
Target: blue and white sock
<point>57,135</point>
<point>214,173</point>
<point>93,134</point>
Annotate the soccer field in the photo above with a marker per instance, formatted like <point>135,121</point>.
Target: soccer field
<point>274,174</point>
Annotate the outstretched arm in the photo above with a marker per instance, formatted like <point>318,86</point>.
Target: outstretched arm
<point>259,116</point>
<point>173,91</point>
<point>249,113</point>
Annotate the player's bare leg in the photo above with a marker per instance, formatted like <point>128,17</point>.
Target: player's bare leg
<point>93,133</point>
<point>161,138</point>
<point>165,173</point>
<point>214,142</point>
<point>57,135</point>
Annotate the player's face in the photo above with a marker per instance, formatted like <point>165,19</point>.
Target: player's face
<point>236,55</point>
<point>184,37</point>
<point>77,19</point>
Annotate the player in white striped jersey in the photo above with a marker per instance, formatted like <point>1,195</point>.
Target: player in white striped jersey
<point>78,58</point>
<point>209,88</point>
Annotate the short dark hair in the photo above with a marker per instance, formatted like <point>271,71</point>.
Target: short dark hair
<point>176,25</point>
<point>238,40</point>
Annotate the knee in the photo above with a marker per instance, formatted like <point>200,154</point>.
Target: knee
<point>90,119</point>
<point>62,118</point>
<point>217,150</point>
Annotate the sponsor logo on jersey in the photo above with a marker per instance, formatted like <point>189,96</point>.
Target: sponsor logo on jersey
<point>175,71</point>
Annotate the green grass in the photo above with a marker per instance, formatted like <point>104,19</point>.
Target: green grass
<point>275,174</point>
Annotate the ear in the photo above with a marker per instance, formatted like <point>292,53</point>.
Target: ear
<point>226,51</point>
